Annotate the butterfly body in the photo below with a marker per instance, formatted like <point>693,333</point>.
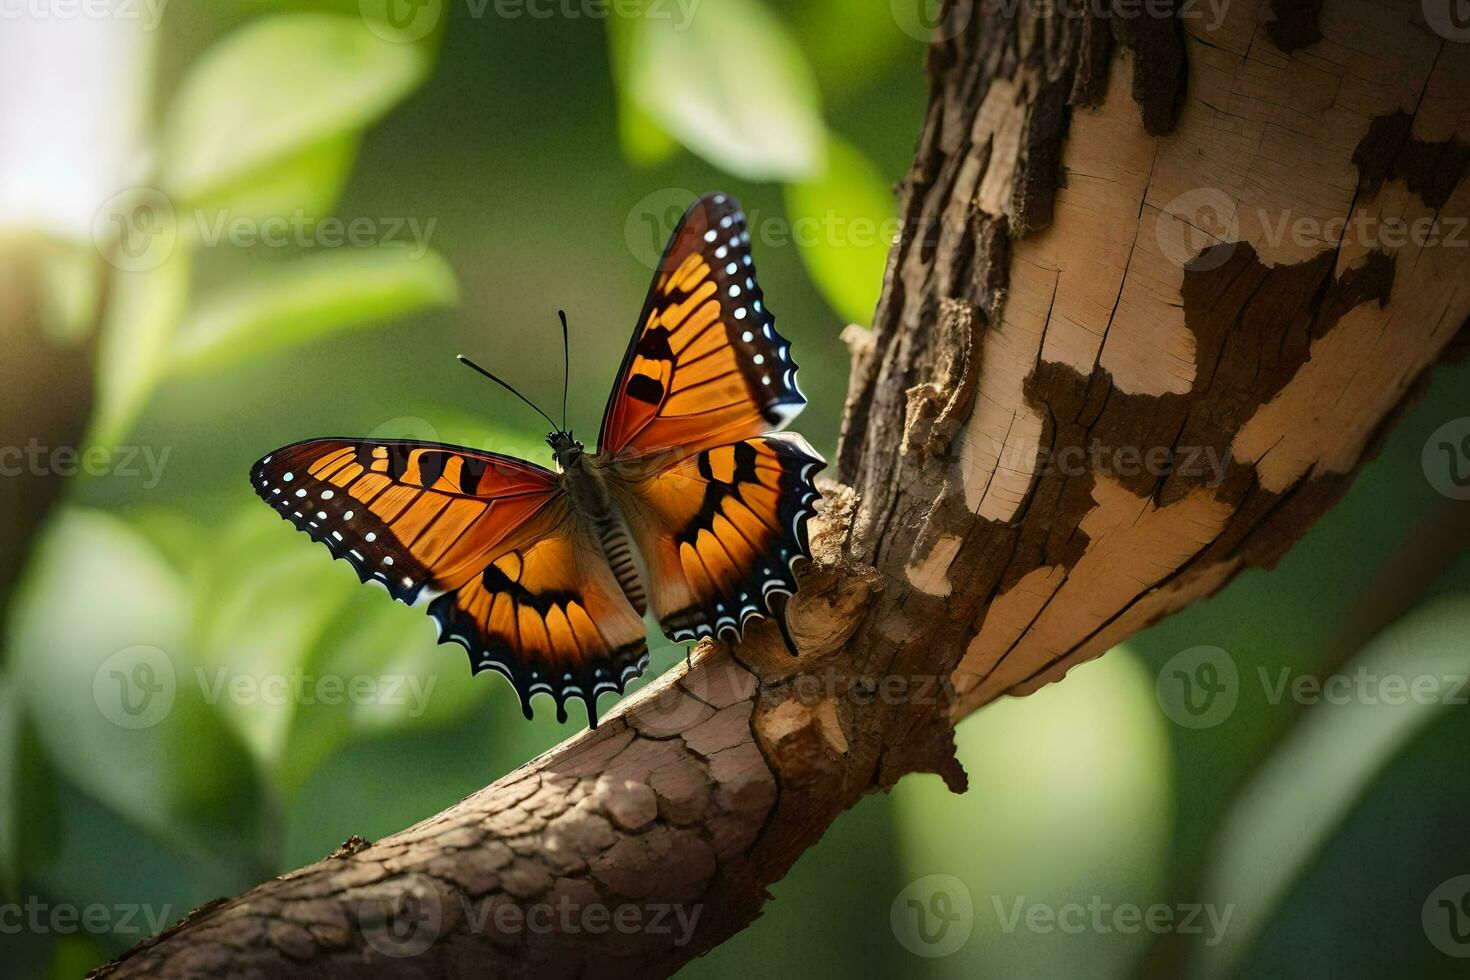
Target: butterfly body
<point>582,477</point>
<point>692,508</point>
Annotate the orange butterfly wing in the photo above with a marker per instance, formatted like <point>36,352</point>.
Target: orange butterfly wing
<point>721,530</point>
<point>485,540</point>
<point>705,366</point>
<point>549,615</point>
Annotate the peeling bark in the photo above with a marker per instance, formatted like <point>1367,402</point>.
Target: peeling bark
<point>1093,255</point>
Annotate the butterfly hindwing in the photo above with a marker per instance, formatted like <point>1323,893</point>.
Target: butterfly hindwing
<point>705,366</point>
<point>716,499</point>
<point>720,530</point>
<point>549,615</point>
<point>479,537</point>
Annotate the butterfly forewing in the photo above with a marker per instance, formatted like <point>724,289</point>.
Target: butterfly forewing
<point>705,366</point>
<point>716,501</point>
<point>409,515</point>
<point>485,539</point>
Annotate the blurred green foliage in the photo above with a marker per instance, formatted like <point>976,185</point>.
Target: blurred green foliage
<point>521,149</point>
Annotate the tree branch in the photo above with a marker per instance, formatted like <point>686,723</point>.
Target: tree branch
<point>1122,353</point>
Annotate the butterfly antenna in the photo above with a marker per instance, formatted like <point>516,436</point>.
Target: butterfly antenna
<point>469,363</point>
<point>566,366</point>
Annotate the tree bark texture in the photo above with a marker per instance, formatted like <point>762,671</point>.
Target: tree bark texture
<point>1142,325</point>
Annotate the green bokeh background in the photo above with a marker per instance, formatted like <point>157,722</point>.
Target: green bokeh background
<point>535,154</point>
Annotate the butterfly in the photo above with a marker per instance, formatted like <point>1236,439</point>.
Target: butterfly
<point>694,506</point>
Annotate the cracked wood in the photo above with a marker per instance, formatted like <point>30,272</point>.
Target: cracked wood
<point>1150,238</point>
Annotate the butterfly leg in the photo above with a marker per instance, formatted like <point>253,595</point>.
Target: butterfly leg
<point>688,655</point>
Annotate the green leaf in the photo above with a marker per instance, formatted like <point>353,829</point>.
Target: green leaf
<point>76,956</point>
<point>178,537</point>
<point>274,87</point>
<point>302,188</point>
<point>731,85</point>
<point>69,289</point>
<point>101,658</point>
<point>10,751</point>
<point>142,317</point>
<point>312,298</point>
<point>1093,751</point>
<point>30,824</point>
<point>844,222</point>
<point>874,36</point>
<point>1299,798</point>
<point>643,141</point>
<point>389,674</point>
<point>377,669</point>
<point>265,601</point>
